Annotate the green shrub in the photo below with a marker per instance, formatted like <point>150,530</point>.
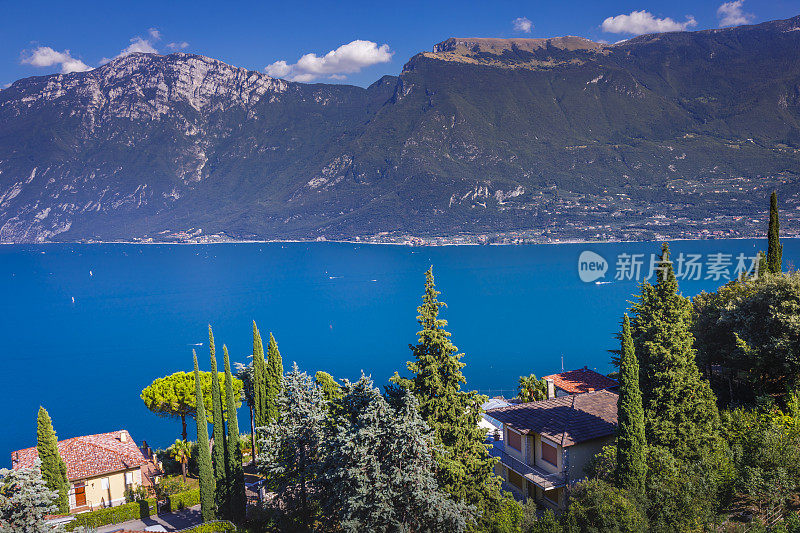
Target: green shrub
<point>167,486</point>
<point>212,527</point>
<point>114,515</point>
<point>182,500</point>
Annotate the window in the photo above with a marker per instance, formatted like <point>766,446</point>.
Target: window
<point>549,453</point>
<point>129,478</point>
<point>104,483</point>
<point>515,440</point>
<point>515,479</point>
<point>551,495</point>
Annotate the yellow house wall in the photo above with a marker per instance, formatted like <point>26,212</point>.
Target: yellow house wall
<point>97,496</point>
<point>581,454</point>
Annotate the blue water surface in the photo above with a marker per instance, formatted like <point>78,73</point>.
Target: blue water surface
<point>138,311</point>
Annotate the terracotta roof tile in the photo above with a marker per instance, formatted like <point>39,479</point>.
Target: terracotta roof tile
<point>567,420</point>
<point>581,380</point>
<point>90,455</point>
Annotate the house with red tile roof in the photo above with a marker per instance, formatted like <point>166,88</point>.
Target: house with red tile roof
<point>99,468</point>
<point>577,382</point>
<point>546,445</point>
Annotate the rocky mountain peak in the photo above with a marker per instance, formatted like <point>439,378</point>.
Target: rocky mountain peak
<point>476,45</point>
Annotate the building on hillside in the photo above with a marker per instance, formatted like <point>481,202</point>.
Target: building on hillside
<point>99,468</point>
<point>577,382</point>
<point>546,445</point>
<point>486,421</point>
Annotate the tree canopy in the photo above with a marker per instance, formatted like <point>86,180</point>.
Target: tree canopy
<point>532,389</point>
<point>748,331</point>
<point>26,500</point>
<point>54,470</point>
<point>364,488</point>
<point>290,447</point>
<point>774,246</point>
<point>173,396</point>
<point>631,444</point>
<point>207,488</point>
<point>680,408</point>
<point>465,469</point>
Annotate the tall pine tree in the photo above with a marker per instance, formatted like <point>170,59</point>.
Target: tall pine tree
<point>207,507</point>
<point>54,471</point>
<point>774,246</point>
<point>274,378</point>
<point>259,380</point>
<point>465,469</point>
<point>237,500</point>
<point>631,443</point>
<point>680,408</point>
<point>218,450</point>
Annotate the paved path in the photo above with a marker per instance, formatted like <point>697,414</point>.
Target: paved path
<point>171,521</point>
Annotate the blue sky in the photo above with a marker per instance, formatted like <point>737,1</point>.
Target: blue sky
<point>45,36</point>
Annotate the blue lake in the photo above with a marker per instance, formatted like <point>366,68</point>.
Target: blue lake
<point>343,308</point>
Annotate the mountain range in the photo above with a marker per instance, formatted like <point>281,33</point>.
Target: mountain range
<point>488,140</point>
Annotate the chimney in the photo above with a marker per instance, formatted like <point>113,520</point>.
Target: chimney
<point>551,388</point>
<point>123,437</point>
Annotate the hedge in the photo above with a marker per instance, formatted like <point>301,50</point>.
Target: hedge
<point>114,515</point>
<point>218,526</point>
<point>182,500</point>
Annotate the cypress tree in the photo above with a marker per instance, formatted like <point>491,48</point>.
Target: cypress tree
<point>762,264</point>
<point>680,408</point>
<point>259,380</point>
<point>631,444</point>
<point>207,509</point>
<point>218,450</point>
<point>54,471</point>
<point>774,246</point>
<point>237,497</point>
<point>274,378</point>
<point>465,469</point>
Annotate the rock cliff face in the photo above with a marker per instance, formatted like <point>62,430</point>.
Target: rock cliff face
<point>662,135</point>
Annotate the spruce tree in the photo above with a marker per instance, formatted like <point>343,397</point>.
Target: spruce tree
<point>274,378</point>
<point>218,450</point>
<point>680,408</point>
<point>363,488</point>
<point>631,444</point>
<point>25,501</point>
<point>289,455</point>
<point>259,380</point>
<point>465,469</point>
<point>774,246</point>
<point>207,507</point>
<point>54,471</point>
<point>237,498</point>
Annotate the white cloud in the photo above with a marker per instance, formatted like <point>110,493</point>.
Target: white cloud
<point>138,45</point>
<point>154,34</point>
<point>523,24</point>
<point>44,56</point>
<point>177,46</point>
<point>732,14</point>
<point>347,59</point>
<point>640,22</point>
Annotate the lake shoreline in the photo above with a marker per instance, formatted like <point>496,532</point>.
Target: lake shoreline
<point>386,243</point>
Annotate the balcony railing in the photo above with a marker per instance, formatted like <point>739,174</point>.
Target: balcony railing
<point>534,474</point>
